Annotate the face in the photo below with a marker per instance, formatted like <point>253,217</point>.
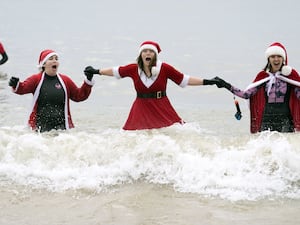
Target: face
<point>148,57</point>
<point>276,62</point>
<point>51,65</point>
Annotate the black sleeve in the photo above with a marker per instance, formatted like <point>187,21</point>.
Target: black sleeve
<point>4,58</point>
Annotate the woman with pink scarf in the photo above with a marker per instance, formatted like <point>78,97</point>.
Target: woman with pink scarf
<point>274,94</point>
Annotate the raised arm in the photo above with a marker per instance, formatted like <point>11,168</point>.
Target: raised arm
<point>3,55</point>
<point>193,81</point>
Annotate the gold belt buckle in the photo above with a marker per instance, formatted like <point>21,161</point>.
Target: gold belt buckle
<point>158,94</point>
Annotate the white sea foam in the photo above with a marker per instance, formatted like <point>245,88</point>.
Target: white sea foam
<point>185,157</point>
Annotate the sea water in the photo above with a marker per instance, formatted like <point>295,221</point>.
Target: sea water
<point>188,158</point>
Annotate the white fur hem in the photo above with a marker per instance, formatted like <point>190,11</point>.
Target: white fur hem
<point>89,82</point>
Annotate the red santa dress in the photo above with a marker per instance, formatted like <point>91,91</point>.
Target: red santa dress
<point>156,111</point>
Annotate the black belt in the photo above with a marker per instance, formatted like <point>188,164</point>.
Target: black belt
<point>157,95</point>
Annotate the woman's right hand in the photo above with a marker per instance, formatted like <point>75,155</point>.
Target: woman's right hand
<point>222,83</point>
<point>91,70</point>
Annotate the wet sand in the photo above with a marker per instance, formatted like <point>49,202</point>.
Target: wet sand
<point>139,204</point>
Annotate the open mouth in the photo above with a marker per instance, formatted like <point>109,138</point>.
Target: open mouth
<point>54,66</point>
<point>276,64</point>
<point>148,59</point>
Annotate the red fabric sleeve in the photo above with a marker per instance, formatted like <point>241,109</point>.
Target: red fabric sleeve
<point>29,85</point>
<point>1,49</point>
<point>172,73</point>
<point>128,70</point>
<point>75,93</point>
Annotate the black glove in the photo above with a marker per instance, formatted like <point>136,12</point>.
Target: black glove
<point>211,81</point>
<point>222,83</point>
<point>89,76</point>
<point>13,82</point>
<point>90,70</point>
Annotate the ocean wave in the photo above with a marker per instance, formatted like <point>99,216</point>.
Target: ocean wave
<point>188,158</point>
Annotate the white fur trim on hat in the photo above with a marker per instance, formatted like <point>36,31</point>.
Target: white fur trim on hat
<point>148,46</point>
<point>275,50</point>
<point>46,58</point>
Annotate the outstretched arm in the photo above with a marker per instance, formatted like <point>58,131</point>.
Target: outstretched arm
<point>199,81</point>
<point>236,91</point>
<point>195,81</point>
<point>89,70</point>
<point>3,54</point>
<point>107,72</point>
<point>4,58</point>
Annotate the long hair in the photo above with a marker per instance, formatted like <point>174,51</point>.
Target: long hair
<point>140,62</point>
<point>268,66</point>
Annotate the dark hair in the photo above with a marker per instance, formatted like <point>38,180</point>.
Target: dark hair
<point>268,66</point>
<point>140,63</point>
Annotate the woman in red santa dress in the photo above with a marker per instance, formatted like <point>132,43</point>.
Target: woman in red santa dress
<point>51,94</point>
<point>274,94</point>
<point>151,108</point>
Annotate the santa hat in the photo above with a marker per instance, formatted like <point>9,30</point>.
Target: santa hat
<point>278,49</point>
<point>44,56</point>
<point>150,45</point>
